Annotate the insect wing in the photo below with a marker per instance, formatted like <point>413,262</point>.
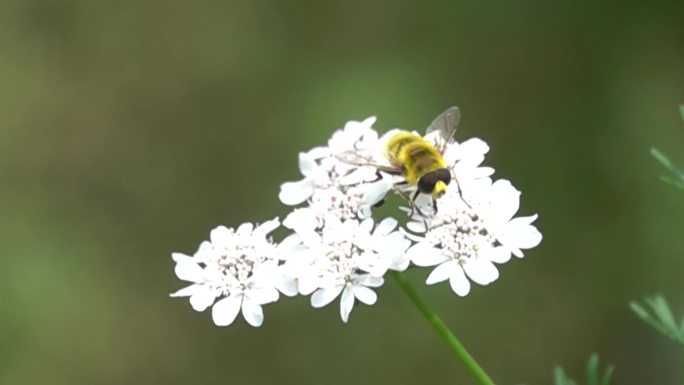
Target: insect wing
<point>358,158</point>
<point>446,124</point>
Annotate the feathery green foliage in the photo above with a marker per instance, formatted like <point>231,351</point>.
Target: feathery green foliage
<point>593,374</point>
<point>676,177</point>
<point>656,312</point>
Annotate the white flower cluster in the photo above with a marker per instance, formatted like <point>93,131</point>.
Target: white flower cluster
<point>337,249</point>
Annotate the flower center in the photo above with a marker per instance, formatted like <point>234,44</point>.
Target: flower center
<point>463,237</point>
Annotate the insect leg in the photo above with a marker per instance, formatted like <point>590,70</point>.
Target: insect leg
<point>460,194</point>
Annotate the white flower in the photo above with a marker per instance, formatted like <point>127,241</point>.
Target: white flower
<point>240,268</point>
<point>348,258</point>
<point>497,207</point>
<point>334,187</point>
<point>465,158</point>
<point>353,203</point>
<point>464,241</point>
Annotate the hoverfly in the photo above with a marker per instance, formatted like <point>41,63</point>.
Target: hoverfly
<point>420,162</point>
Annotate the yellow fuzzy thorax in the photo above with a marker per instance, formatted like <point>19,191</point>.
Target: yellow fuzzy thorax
<point>415,155</point>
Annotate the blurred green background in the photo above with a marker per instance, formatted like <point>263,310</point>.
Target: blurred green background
<point>129,129</point>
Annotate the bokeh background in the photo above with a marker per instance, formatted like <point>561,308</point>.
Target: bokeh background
<point>129,129</point>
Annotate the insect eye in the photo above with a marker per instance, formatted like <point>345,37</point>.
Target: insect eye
<point>427,183</point>
<point>445,176</point>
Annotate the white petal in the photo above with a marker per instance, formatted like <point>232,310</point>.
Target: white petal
<point>401,263</point>
<point>306,287</point>
<point>188,270</point>
<point>307,164</point>
<point>366,226</point>
<point>416,226</point>
<point>499,254</point>
<point>225,310</point>
<point>289,244</point>
<point>474,147</point>
<point>369,280</point>
<point>318,153</point>
<point>481,172</point>
<point>202,298</point>
<point>481,271</point>
<point>268,226</point>
<point>357,176</point>
<point>301,218</point>
<point>365,295</point>
<point>385,226</point>
<point>505,201</point>
<point>294,193</point>
<point>220,235</point>
<point>519,234</point>
<point>185,292</point>
<point>180,257</point>
<point>253,313</point>
<point>442,272</point>
<point>244,229</point>
<point>287,286</point>
<point>263,295</point>
<point>459,283</point>
<point>423,254</point>
<point>322,297</point>
<point>204,252</point>
<point>346,303</point>
<point>376,191</point>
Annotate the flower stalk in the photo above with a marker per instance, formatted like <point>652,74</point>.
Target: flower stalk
<point>455,345</point>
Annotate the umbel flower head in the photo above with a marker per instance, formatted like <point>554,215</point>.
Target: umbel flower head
<point>338,248</point>
<point>240,268</point>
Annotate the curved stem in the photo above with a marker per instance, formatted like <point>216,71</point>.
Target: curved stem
<point>456,346</point>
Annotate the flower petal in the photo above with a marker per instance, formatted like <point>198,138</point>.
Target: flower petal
<point>244,229</point>
<point>481,271</point>
<point>385,226</point>
<point>188,270</point>
<point>376,191</point>
<point>442,272</point>
<point>365,295</point>
<point>220,236</point>
<point>369,280</point>
<point>202,298</point>
<point>346,303</point>
<point>322,297</point>
<point>185,292</point>
<point>263,295</point>
<point>253,313</point>
<point>225,310</point>
<point>499,254</point>
<point>520,234</point>
<point>423,254</point>
<point>268,226</point>
<point>459,283</point>
<point>505,201</point>
<point>294,193</point>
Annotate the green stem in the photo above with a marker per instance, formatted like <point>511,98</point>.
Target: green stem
<point>456,346</point>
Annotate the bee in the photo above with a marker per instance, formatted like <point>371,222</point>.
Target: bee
<point>419,161</point>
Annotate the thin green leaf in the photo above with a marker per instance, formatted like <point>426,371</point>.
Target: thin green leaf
<point>593,373</point>
<point>605,380</point>
<point>660,317</point>
<point>646,317</point>
<point>560,378</point>
<point>592,370</point>
<point>681,111</point>
<point>660,157</point>
<point>672,182</point>
<point>664,314</point>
